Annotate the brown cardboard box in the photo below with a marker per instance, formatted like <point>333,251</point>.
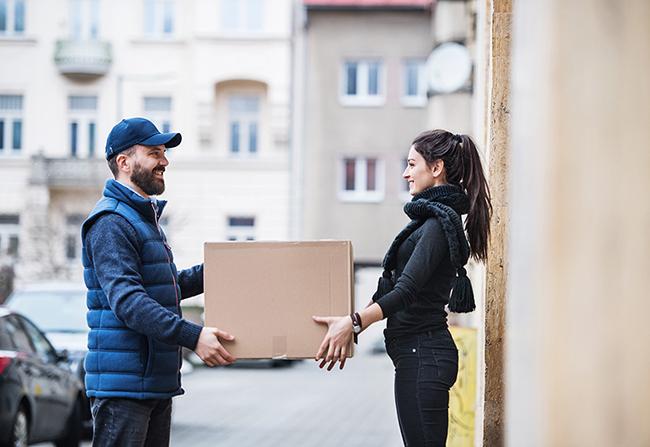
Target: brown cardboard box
<point>265,293</point>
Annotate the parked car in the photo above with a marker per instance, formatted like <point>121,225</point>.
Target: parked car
<point>41,396</point>
<point>59,310</point>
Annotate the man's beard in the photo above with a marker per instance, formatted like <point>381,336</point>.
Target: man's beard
<point>146,180</point>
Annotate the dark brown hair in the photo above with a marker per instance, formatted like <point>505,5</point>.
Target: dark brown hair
<point>112,162</point>
<point>463,168</point>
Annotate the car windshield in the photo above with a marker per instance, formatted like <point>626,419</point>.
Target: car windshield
<point>63,311</point>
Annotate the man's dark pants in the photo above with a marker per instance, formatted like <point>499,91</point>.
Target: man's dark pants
<point>131,422</point>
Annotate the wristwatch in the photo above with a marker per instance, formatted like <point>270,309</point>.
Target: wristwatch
<point>356,324</point>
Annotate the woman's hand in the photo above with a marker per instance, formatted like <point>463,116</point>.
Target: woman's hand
<point>336,342</point>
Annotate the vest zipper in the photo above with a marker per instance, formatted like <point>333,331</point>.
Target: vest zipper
<point>167,247</point>
<point>168,250</point>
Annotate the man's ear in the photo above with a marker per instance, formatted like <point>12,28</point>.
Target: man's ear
<point>123,163</point>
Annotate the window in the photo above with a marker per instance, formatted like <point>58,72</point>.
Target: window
<point>18,335</point>
<point>84,19</point>
<point>42,347</point>
<point>12,17</point>
<point>243,129</point>
<point>362,179</point>
<point>159,18</point>
<point>5,340</point>
<point>73,236</point>
<point>83,125</point>
<point>240,229</point>
<point>11,124</point>
<point>158,110</point>
<point>242,15</point>
<point>414,88</point>
<point>363,83</point>
<point>9,235</point>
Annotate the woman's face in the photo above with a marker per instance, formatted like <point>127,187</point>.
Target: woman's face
<point>419,175</point>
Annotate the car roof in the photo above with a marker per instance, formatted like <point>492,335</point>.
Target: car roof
<point>52,286</point>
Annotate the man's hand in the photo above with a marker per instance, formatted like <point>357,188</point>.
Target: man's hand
<point>210,349</point>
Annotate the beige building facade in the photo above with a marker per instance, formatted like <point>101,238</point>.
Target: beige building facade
<point>360,78</point>
<point>216,71</point>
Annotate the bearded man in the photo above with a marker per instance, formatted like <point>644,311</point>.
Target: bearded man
<point>134,292</point>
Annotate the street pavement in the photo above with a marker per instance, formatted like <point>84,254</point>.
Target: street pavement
<point>300,405</point>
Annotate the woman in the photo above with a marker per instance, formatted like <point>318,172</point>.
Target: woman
<point>423,272</point>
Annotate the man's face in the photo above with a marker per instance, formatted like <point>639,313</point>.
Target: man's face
<point>148,168</point>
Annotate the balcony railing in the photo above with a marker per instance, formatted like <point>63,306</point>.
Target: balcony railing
<point>69,172</point>
<point>83,58</point>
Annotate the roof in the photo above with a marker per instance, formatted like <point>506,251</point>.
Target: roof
<point>368,4</point>
<point>52,286</point>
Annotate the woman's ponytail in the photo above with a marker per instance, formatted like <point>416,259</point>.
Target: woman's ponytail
<point>477,223</point>
<point>463,168</point>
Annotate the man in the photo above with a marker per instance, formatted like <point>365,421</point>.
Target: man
<point>134,292</point>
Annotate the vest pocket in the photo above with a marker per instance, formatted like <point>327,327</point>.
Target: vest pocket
<point>148,356</point>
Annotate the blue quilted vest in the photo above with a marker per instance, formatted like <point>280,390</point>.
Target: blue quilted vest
<point>120,361</point>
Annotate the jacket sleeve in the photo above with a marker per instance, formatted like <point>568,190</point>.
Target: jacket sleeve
<point>429,251</point>
<point>191,281</point>
<point>112,246</point>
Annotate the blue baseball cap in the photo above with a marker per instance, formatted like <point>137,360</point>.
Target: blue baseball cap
<point>132,131</point>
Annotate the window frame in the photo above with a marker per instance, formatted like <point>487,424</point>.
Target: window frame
<point>155,19</point>
<point>43,349</point>
<point>240,233</point>
<point>9,231</point>
<point>243,119</point>
<point>161,117</point>
<point>361,194</point>
<point>420,99</point>
<point>362,98</point>
<point>85,119</point>
<point>84,19</point>
<point>10,18</point>
<point>73,223</point>
<point>16,321</point>
<point>242,24</point>
<point>9,118</point>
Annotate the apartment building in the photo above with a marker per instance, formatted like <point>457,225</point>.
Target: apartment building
<point>216,71</point>
<point>360,77</point>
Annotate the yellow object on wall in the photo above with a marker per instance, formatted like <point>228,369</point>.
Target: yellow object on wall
<point>462,397</point>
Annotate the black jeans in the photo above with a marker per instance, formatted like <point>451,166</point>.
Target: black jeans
<point>131,422</point>
<point>426,367</point>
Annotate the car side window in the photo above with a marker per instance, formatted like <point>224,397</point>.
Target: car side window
<point>5,340</point>
<point>18,335</point>
<point>43,347</point>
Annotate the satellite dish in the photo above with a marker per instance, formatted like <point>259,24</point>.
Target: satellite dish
<point>448,67</point>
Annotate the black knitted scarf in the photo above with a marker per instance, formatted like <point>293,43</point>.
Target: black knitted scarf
<point>445,203</point>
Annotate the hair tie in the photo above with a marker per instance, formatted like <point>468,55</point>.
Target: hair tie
<point>458,138</point>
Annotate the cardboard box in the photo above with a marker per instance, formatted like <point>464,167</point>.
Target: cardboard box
<point>265,293</point>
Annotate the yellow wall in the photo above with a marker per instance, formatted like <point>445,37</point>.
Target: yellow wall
<point>462,398</point>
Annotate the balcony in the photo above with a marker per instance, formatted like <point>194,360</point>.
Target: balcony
<point>64,173</point>
<point>83,58</point>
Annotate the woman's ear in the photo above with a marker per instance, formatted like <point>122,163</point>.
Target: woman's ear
<point>437,168</point>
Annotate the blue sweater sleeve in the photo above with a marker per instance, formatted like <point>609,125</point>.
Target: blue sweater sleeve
<point>429,251</point>
<point>191,281</point>
<point>113,249</point>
